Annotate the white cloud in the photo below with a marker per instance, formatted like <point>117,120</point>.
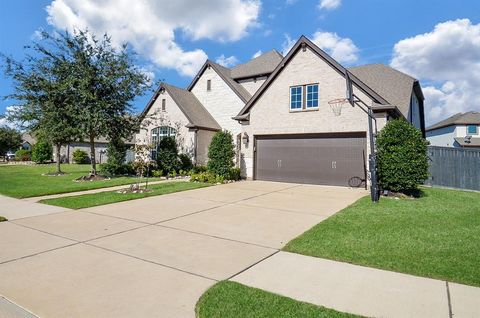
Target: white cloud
<point>6,123</point>
<point>329,4</point>
<point>448,58</point>
<point>287,44</point>
<point>150,25</point>
<point>341,49</point>
<point>226,61</point>
<point>257,54</point>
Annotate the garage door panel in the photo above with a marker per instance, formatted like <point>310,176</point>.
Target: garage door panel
<point>305,159</point>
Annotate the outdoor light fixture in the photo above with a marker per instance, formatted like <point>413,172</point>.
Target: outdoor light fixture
<point>245,138</point>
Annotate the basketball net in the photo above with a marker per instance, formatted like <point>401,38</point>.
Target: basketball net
<point>337,104</point>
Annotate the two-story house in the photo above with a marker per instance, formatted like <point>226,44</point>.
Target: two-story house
<point>278,109</point>
<point>459,130</point>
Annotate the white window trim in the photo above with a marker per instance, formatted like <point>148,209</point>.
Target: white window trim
<point>306,96</point>
<point>301,99</point>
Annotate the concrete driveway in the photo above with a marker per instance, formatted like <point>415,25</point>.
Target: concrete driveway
<point>153,257</point>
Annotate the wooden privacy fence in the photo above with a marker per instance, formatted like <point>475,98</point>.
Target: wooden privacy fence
<point>454,167</point>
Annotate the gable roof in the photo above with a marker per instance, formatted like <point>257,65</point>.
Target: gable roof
<point>197,115</point>
<point>226,75</point>
<point>468,118</point>
<point>304,42</point>
<point>396,87</point>
<point>260,66</point>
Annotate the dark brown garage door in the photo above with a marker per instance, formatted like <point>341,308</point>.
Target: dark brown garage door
<point>317,159</point>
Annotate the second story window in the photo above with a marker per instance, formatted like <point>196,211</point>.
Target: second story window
<point>312,96</point>
<point>472,130</point>
<point>304,97</point>
<point>296,97</point>
<point>209,85</point>
<point>164,104</point>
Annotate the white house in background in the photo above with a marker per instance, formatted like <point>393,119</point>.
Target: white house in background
<point>460,130</point>
<point>277,109</point>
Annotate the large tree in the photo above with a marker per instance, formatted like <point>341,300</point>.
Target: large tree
<point>108,82</point>
<point>10,139</point>
<point>80,87</point>
<point>45,94</point>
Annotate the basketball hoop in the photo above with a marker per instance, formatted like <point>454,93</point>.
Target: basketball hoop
<point>337,104</point>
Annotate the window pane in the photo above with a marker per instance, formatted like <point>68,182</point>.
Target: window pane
<point>296,97</point>
<point>471,129</point>
<point>312,96</point>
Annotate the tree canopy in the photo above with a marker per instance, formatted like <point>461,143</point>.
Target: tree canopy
<point>76,87</point>
<point>10,139</point>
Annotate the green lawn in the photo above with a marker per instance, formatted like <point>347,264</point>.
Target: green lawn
<point>101,198</point>
<point>232,300</point>
<point>437,235</point>
<point>23,181</point>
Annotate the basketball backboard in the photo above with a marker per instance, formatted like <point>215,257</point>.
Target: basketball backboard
<point>349,92</point>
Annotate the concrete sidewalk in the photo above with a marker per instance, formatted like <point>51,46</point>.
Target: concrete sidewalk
<point>361,290</point>
<point>13,209</point>
<point>71,194</point>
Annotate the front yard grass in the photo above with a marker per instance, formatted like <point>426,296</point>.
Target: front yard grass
<point>101,198</point>
<point>233,300</point>
<point>24,181</point>
<point>437,235</point>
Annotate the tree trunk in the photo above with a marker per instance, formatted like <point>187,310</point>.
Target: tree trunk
<point>57,151</point>
<point>92,156</point>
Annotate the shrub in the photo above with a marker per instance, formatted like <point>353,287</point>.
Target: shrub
<point>206,177</point>
<point>199,169</point>
<point>167,155</point>
<point>42,151</point>
<point>157,173</point>
<point>116,153</point>
<point>3,219</point>
<point>185,162</point>
<point>234,174</point>
<point>23,155</point>
<point>221,153</point>
<point>80,156</point>
<point>402,157</point>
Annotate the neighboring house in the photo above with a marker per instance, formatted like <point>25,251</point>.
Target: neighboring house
<point>460,130</point>
<point>66,151</point>
<point>277,109</point>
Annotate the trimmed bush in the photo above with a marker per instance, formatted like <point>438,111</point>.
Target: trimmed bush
<point>234,174</point>
<point>206,177</point>
<point>42,152</point>
<point>80,157</point>
<point>3,219</point>
<point>167,155</point>
<point>199,169</point>
<point>221,153</point>
<point>185,162</point>
<point>116,152</point>
<point>23,155</point>
<point>402,157</point>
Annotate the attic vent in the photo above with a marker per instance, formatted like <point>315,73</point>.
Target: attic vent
<point>304,47</point>
<point>164,104</point>
<point>209,85</point>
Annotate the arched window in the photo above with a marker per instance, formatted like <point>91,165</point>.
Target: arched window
<point>157,134</point>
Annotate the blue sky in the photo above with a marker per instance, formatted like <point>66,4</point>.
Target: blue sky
<point>435,41</point>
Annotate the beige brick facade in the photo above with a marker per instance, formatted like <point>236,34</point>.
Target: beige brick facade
<point>271,113</point>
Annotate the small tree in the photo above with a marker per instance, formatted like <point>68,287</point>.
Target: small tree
<point>402,157</point>
<point>116,153</point>
<point>167,155</point>
<point>10,139</point>
<point>42,151</point>
<point>221,153</point>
